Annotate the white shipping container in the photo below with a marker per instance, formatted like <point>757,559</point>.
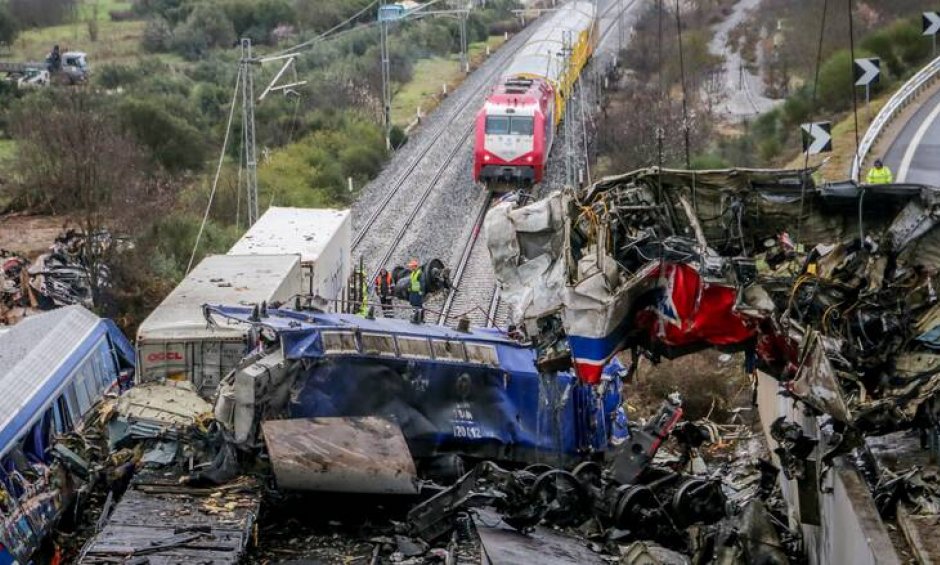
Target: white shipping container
<point>321,236</point>
<point>175,341</point>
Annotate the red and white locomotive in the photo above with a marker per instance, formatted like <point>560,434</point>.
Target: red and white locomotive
<point>516,126</point>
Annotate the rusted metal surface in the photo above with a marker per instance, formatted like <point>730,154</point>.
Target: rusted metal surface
<point>162,523</point>
<point>363,455</point>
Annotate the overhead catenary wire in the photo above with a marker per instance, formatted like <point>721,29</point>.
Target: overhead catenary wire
<point>685,103</point>
<point>819,50</point>
<point>218,171</point>
<point>326,34</point>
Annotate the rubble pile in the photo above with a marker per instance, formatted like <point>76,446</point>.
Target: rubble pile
<point>162,482</point>
<point>830,289</point>
<point>60,277</point>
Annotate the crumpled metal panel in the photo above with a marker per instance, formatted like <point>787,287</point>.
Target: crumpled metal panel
<point>361,455</point>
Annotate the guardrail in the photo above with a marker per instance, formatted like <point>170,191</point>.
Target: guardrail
<point>898,102</point>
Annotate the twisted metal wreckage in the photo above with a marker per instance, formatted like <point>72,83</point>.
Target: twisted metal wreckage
<point>827,288</point>
<point>831,289</point>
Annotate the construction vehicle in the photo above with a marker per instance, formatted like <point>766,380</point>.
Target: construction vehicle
<point>69,68</point>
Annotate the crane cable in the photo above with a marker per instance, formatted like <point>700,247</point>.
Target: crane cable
<point>218,172</point>
<point>819,49</point>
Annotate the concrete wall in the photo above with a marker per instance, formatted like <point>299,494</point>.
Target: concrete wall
<point>849,528</point>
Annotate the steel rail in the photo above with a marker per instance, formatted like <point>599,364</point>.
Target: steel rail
<point>464,259</point>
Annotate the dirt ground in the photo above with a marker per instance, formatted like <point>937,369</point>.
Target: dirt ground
<point>29,235</point>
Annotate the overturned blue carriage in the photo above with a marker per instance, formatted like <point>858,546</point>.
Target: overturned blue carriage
<point>476,394</point>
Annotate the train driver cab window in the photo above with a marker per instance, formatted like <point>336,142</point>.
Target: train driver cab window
<point>497,125</point>
<point>521,125</point>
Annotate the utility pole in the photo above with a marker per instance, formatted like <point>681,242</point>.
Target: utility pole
<point>569,131</point>
<point>248,132</point>
<point>386,78</point>
<point>464,60</point>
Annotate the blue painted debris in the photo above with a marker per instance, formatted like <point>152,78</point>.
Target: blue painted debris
<point>53,368</point>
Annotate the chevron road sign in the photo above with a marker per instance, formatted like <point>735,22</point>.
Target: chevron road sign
<point>817,137</point>
<point>867,71</point>
<point>931,23</point>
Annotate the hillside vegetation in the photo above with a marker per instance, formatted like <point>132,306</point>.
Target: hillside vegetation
<point>160,94</point>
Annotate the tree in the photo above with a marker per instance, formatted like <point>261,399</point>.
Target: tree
<point>73,158</point>
<point>9,27</point>
<point>42,13</point>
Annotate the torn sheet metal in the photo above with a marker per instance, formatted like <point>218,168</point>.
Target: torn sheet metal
<point>361,455</point>
<point>504,544</point>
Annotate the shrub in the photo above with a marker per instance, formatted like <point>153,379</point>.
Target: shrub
<point>158,35</point>
<point>9,27</point>
<point>115,75</point>
<point>173,142</point>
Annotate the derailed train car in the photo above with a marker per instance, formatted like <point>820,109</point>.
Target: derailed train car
<point>477,394</point>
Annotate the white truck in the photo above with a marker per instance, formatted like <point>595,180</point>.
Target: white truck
<point>175,342</point>
<point>321,236</point>
<point>70,67</point>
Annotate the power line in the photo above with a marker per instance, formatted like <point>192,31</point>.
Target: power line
<point>325,34</point>
<point>685,107</point>
<point>819,50</point>
<point>849,4</point>
<point>218,172</point>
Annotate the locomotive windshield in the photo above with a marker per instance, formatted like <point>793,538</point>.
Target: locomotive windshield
<point>497,125</point>
<point>520,125</point>
<point>515,125</point>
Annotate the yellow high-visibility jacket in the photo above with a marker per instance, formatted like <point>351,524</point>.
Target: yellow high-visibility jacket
<point>880,176</point>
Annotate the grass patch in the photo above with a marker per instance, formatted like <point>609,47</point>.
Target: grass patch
<point>87,8</point>
<point>117,42</point>
<point>424,88</point>
<point>7,151</point>
<point>426,85</point>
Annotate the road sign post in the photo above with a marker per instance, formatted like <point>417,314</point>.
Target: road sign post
<point>867,72</point>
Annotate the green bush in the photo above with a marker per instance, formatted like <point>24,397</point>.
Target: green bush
<point>173,142</point>
<point>9,27</point>
<point>158,35</point>
<point>116,75</point>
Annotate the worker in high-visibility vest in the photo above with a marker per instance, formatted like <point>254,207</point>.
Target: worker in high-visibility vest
<point>385,287</point>
<point>363,293</point>
<point>879,174</point>
<point>416,291</point>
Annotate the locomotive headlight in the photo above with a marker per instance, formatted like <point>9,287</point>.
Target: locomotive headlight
<point>486,157</point>
<point>528,159</point>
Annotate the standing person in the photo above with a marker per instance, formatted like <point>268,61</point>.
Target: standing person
<point>879,174</point>
<point>416,291</point>
<point>359,293</point>
<point>385,288</point>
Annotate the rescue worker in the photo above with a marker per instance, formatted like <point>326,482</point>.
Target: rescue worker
<point>416,292</point>
<point>384,287</point>
<point>55,59</point>
<point>363,291</point>
<point>879,174</point>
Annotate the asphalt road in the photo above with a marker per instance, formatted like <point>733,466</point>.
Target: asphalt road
<point>914,155</point>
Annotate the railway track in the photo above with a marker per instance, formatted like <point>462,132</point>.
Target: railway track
<point>379,236</point>
<point>475,292</point>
